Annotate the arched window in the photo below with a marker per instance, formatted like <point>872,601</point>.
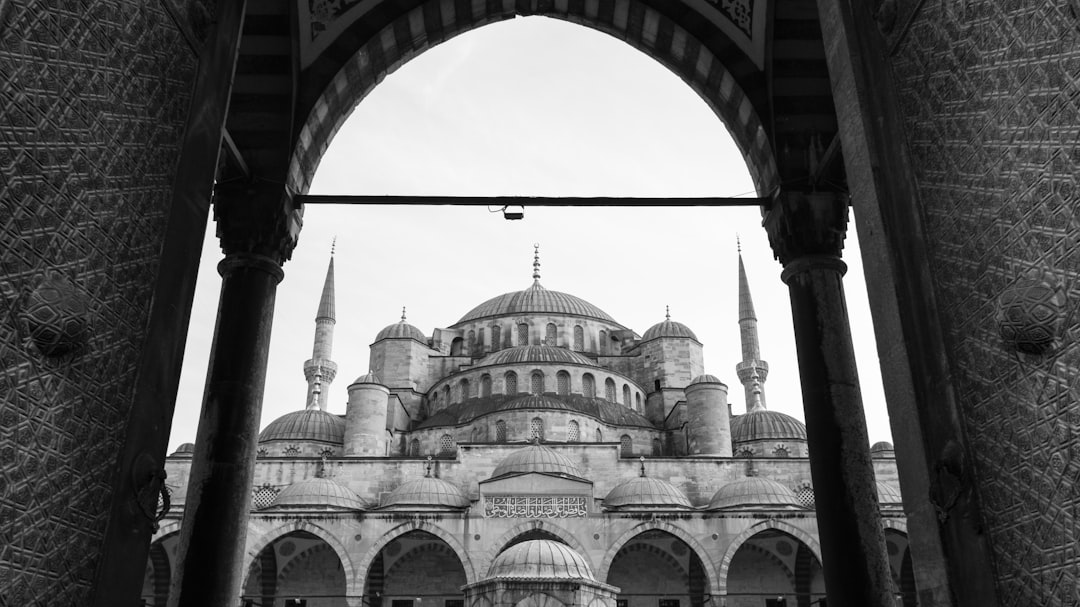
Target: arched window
<point>603,342</point>
<point>588,385</point>
<point>579,338</point>
<point>637,401</point>
<point>414,448</point>
<point>446,445</point>
<point>496,338</point>
<point>455,346</point>
<point>609,390</point>
<point>536,428</point>
<point>626,396</point>
<point>511,383</point>
<point>464,389</point>
<point>780,451</point>
<point>562,383</point>
<point>523,334</point>
<point>472,343</point>
<point>573,432</point>
<point>657,447</point>
<point>599,436</point>
<point>551,335</point>
<point>626,445</point>
<point>485,385</point>
<point>481,347</point>
<point>537,383</point>
<point>446,395</point>
<point>500,431</point>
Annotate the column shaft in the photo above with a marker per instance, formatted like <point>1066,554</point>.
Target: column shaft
<point>212,539</point>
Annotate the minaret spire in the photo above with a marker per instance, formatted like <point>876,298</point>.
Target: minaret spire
<point>536,264</point>
<point>752,370</point>
<point>320,370</point>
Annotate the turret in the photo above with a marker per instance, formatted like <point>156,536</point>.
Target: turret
<point>708,423</point>
<point>320,370</point>
<point>752,371</point>
<point>365,417</point>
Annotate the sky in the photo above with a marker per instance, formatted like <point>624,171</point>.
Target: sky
<point>528,107</point>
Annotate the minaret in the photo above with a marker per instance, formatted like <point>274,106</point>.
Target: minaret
<point>320,370</point>
<point>752,371</point>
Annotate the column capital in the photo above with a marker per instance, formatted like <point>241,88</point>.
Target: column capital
<point>257,217</point>
<point>806,224</point>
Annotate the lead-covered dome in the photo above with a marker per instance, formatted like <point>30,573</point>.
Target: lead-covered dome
<point>668,328</point>
<point>318,492</point>
<point>763,424</point>
<point>537,458</point>
<point>540,559</point>
<point>754,492</point>
<point>401,330</point>
<point>426,492</point>
<point>646,492</point>
<point>534,354</point>
<point>882,449</point>
<point>535,300</point>
<point>185,449</point>
<point>307,425</point>
<point>887,494</point>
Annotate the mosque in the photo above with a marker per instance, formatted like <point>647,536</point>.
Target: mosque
<point>535,453</point>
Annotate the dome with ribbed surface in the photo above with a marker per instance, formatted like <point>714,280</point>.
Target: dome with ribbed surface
<point>401,330</point>
<point>185,449</point>
<point>705,379</point>
<point>881,449</point>
<point>318,492</point>
<point>537,458</point>
<point>763,424</point>
<point>368,378</point>
<point>645,492</point>
<point>540,559</point>
<point>535,300</point>
<point>427,492</point>
<point>306,425</point>
<point>534,354</point>
<point>887,494</point>
<point>754,492</point>
<point>668,328</point>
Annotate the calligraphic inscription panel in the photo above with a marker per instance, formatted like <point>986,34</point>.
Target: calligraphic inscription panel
<point>535,506</point>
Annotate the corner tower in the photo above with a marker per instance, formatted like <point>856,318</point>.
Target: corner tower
<point>320,370</point>
<point>752,371</point>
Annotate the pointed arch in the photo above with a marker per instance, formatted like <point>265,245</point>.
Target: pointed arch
<point>256,546</point>
<point>365,562</point>
<point>712,587</point>
<point>522,528</point>
<point>795,532</point>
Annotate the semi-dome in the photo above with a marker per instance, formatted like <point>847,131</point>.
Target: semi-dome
<point>537,458</point>
<point>754,491</point>
<point>319,493</point>
<point>887,494</point>
<point>534,354</point>
<point>646,492</point>
<point>705,379</point>
<point>185,449</point>
<point>764,424</point>
<point>307,425</point>
<point>540,559</point>
<point>535,300</point>
<point>426,492</point>
<point>668,328</point>
<point>401,330</point>
<point>881,449</point>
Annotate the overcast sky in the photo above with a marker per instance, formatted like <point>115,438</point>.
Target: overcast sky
<point>539,107</point>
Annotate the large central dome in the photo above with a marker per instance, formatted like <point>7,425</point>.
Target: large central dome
<point>535,300</point>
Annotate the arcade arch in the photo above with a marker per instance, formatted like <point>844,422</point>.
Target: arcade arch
<point>654,565</point>
<point>769,564</point>
<point>414,565</point>
<point>298,564</point>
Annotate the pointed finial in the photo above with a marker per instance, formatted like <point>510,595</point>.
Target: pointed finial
<point>667,312</point>
<point>536,262</point>
<point>642,460</point>
<point>333,246</point>
<point>402,313</point>
<point>738,244</point>
<point>427,468</point>
<point>536,439</point>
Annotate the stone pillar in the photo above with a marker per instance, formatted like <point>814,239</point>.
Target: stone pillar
<point>365,417</point>
<point>806,232</point>
<point>258,228</point>
<point>707,417</point>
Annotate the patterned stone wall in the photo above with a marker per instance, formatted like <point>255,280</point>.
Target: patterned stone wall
<point>990,94</point>
<point>94,96</point>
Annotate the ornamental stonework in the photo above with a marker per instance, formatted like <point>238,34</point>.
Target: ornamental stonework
<point>535,506</point>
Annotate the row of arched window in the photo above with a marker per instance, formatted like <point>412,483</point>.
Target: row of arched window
<point>474,343</point>
<point>538,386</point>
<point>448,447</point>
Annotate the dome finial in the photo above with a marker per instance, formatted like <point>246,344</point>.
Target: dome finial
<point>536,262</point>
<point>642,460</point>
<point>427,468</point>
<point>333,246</point>
<point>738,244</point>
<point>402,313</point>
<point>667,312</point>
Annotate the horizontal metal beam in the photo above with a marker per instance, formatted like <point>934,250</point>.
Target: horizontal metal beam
<point>535,201</point>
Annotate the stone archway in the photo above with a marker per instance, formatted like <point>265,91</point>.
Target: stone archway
<point>258,545</point>
<point>712,586</point>
<point>546,527</point>
<point>767,564</point>
<point>364,564</point>
<point>725,562</point>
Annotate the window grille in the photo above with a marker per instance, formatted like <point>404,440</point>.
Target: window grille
<point>551,335</point>
<point>485,386</point>
<point>573,432</point>
<point>500,431</point>
<point>637,402</point>
<point>609,390</point>
<point>537,383</point>
<point>579,338</point>
<point>603,342</point>
<point>446,445</point>
<point>464,389</point>
<point>626,396</point>
<point>523,334</point>
<point>511,383</point>
<point>562,383</point>
<point>806,495</point>
<point>496,338</point>
<point>414,448</point>
<point>588,386</point>
<point>536,428</point>
<point>780,451</point>
<point>263,497</point>
<point>626,445</point>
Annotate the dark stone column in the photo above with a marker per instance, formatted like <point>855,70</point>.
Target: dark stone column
<point>258,227</point>
<point>807,232</point>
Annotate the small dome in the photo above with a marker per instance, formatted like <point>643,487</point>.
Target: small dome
<point>401,330</point>
<point>535,300</point>
<point>754,491</point>
<point>306,425</point>
<point>540,559</point>
<point>763,424</point>
<point>668,328</point>
<point>705,379</point>
<point>881,449</point>
<point>368,378</point>
<point>887,494</point>
<point>534,354</point>
<point>645,492</point>
<point>185,449</point>
<point>318,492</point>
<point>426,492</point>
<point>537,458</point>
